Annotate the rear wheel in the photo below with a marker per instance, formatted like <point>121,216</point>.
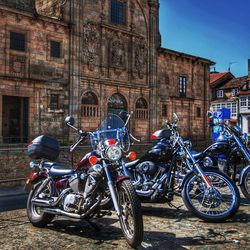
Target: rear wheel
<point>245,186</point>
<point>131,217</point>
<point>35,215</point>
<point>213,204</point>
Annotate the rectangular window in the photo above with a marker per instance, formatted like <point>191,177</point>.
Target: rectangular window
<point>235,91</point>
<point>233,110</point>
<point>182,86</point>
<point>54,101</point>
<point>220,93</point>
<point>164,110</point>
<point>118,12</point>
<point>243,101</point>
<point>198,112</point>
<point>55,49</point>
<point>17,41</point>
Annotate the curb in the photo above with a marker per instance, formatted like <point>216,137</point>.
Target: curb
<point>13,194</point>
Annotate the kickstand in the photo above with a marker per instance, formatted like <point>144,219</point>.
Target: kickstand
<point>94,225</point>
<point>172,205</point>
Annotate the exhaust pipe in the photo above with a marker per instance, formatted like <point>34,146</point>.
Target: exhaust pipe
<point>58,211</point>
<point>50,203</point>
<point>144,193</point>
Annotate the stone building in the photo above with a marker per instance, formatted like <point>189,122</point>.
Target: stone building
<point>90,57</point>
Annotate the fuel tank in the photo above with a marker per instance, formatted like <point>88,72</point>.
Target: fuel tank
<point>218,148</point>
<point>162,151</point>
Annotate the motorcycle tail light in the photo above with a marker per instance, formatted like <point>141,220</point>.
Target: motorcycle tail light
<point>132,155</point>
<point>153,137</point>
<point>93,160</point>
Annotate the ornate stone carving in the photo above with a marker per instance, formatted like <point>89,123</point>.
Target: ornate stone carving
<point>117,55</point>
<point>91,45</point>
<point>141,54</point>
<point>17,65</point>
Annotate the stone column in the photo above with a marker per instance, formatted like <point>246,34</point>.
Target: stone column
<point>75,16</point>
<point>153,56</point>
<point>1,118</point>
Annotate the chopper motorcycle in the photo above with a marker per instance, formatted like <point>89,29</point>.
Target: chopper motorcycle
<point>229,154</point>
<point>79,193</point>
<point>207,193</point>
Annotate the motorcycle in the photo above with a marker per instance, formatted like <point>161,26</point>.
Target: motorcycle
<point>81,193</point>
<point>207,193</point>
<point>230,155</point>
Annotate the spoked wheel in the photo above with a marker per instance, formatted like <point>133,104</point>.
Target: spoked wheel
<point>213,204</point>
<point>131,217</point>
<point>36,216</point>
<point>245,186</point>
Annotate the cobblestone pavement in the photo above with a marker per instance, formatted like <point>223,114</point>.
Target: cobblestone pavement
<point>165,228</point>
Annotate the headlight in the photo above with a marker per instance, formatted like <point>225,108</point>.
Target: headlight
<point>114,153</point>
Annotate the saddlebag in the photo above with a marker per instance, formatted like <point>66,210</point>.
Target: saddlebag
<point>44,147</point>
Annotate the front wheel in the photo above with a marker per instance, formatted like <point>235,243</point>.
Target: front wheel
<point>131,217</point>
<point>245,186</point>
<point>213,204</point>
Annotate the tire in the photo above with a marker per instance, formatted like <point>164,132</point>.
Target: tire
<point>127,196</point>
<point>245,186</point>
<point>36,217</point>
<point>206,206</point>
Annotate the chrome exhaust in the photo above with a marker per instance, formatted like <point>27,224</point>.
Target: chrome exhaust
<point>58,211</point>
<point>144,193</point>
<point>50,203</point>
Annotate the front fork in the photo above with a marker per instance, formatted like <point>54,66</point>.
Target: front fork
<point>198,169</point>
<point>112,190</point>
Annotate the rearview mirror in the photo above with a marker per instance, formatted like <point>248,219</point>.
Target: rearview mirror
<point>69,120</point>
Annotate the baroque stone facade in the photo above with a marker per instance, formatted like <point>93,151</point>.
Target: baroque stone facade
<point>103,63</point>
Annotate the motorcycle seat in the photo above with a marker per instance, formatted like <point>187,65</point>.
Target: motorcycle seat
<point>132,163</point>
<point>57,170</point>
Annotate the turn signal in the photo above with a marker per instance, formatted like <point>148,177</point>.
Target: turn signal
<point>132,156</point>
<point>93,160</point>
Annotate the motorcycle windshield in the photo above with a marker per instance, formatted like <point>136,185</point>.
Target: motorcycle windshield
<point>111,122</point>
<point>112,131</point>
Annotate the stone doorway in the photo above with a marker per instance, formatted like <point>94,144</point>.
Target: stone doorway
<point>15,119</point>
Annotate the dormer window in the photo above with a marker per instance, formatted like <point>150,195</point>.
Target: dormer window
<point>235,91</point>
<point>220,93</point>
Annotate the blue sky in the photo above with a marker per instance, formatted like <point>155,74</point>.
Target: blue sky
<point>215,29</point>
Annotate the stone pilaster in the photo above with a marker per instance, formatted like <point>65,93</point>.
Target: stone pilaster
<point>75,61</point>
<point>153,47</point>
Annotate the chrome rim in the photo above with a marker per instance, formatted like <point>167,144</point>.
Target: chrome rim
<point>216,200</point>
<point>126,218</point>
<point>247,183</point>
<point>36,210</point>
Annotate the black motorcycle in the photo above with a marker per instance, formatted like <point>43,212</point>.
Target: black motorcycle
<point>208,193</point>
<point>81,193</point>
<point>230,155</point>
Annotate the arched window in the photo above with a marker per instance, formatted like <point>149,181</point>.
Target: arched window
<point>141,107</point>
<point>117,103</point>
<point>90,105</point>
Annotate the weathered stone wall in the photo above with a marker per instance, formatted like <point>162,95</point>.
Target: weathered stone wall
<point>172,65</point>
<point>33,73</point>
